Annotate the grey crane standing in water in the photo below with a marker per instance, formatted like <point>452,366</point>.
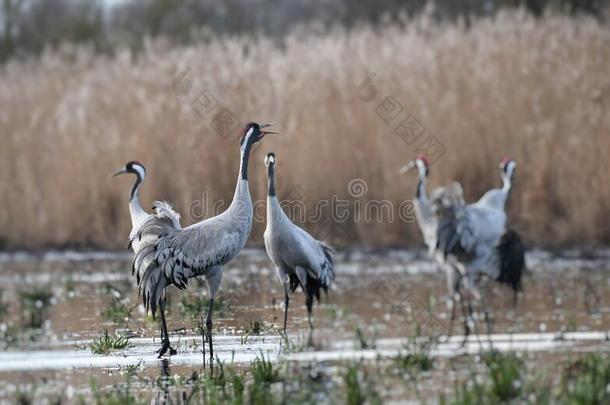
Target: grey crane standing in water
<point>138,217</point>
<point>427,222</point>
<point>172,255</point>
<point>300,260</point>
<point>477,236</point>
<point>428,225</point>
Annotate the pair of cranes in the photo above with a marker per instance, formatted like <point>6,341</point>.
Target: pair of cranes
<point>469,240</point>
<point>167,254</point>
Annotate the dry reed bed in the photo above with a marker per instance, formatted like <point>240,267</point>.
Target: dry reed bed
<point>537,90</point>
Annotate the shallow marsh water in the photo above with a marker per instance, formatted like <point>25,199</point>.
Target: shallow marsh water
<point>379,300</point>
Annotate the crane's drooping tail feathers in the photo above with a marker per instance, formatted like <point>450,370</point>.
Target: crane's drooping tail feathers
<point>511,252</point>
<point>151,279</point>
<point>315,284</point>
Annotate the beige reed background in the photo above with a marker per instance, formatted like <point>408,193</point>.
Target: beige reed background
<point>536,90</point>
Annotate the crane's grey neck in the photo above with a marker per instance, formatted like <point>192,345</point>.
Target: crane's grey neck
<point>271,176</point>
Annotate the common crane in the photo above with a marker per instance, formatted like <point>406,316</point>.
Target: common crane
<point>427,222</point>
<point>477,237</point>
<point>300,259</point>
<point>138,217</point>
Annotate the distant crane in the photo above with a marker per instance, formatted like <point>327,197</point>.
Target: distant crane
<point>426,220</point>
<point>428,225</point>
<point>300,260</point>
<point>172,255</point>
<point>477,237</point>
<point>138,218</point>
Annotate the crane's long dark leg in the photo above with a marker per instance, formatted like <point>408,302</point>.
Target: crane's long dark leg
<point>165,343</point>
<point>286,302</point>
<point>162,335</point>
<point>208,327</point>
<point>206,333</point>
<point>213,279</point>
<point>203,340</point>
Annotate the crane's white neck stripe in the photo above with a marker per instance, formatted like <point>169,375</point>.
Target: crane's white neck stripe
<point>140,171</point>
<point>247,138</point>
<point>421,168</point>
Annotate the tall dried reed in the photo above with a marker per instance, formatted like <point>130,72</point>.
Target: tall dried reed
<point>534,89</point>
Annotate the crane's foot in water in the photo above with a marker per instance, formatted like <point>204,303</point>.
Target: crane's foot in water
<point>165,346</point>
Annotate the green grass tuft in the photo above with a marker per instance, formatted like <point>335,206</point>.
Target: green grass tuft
<point>587,380</point>
<point>410,362</point>
<point>106,343</point>
<point>417,357</point>
<point>506,372</point>
<point>263,371</point>
<point>263,375</point>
